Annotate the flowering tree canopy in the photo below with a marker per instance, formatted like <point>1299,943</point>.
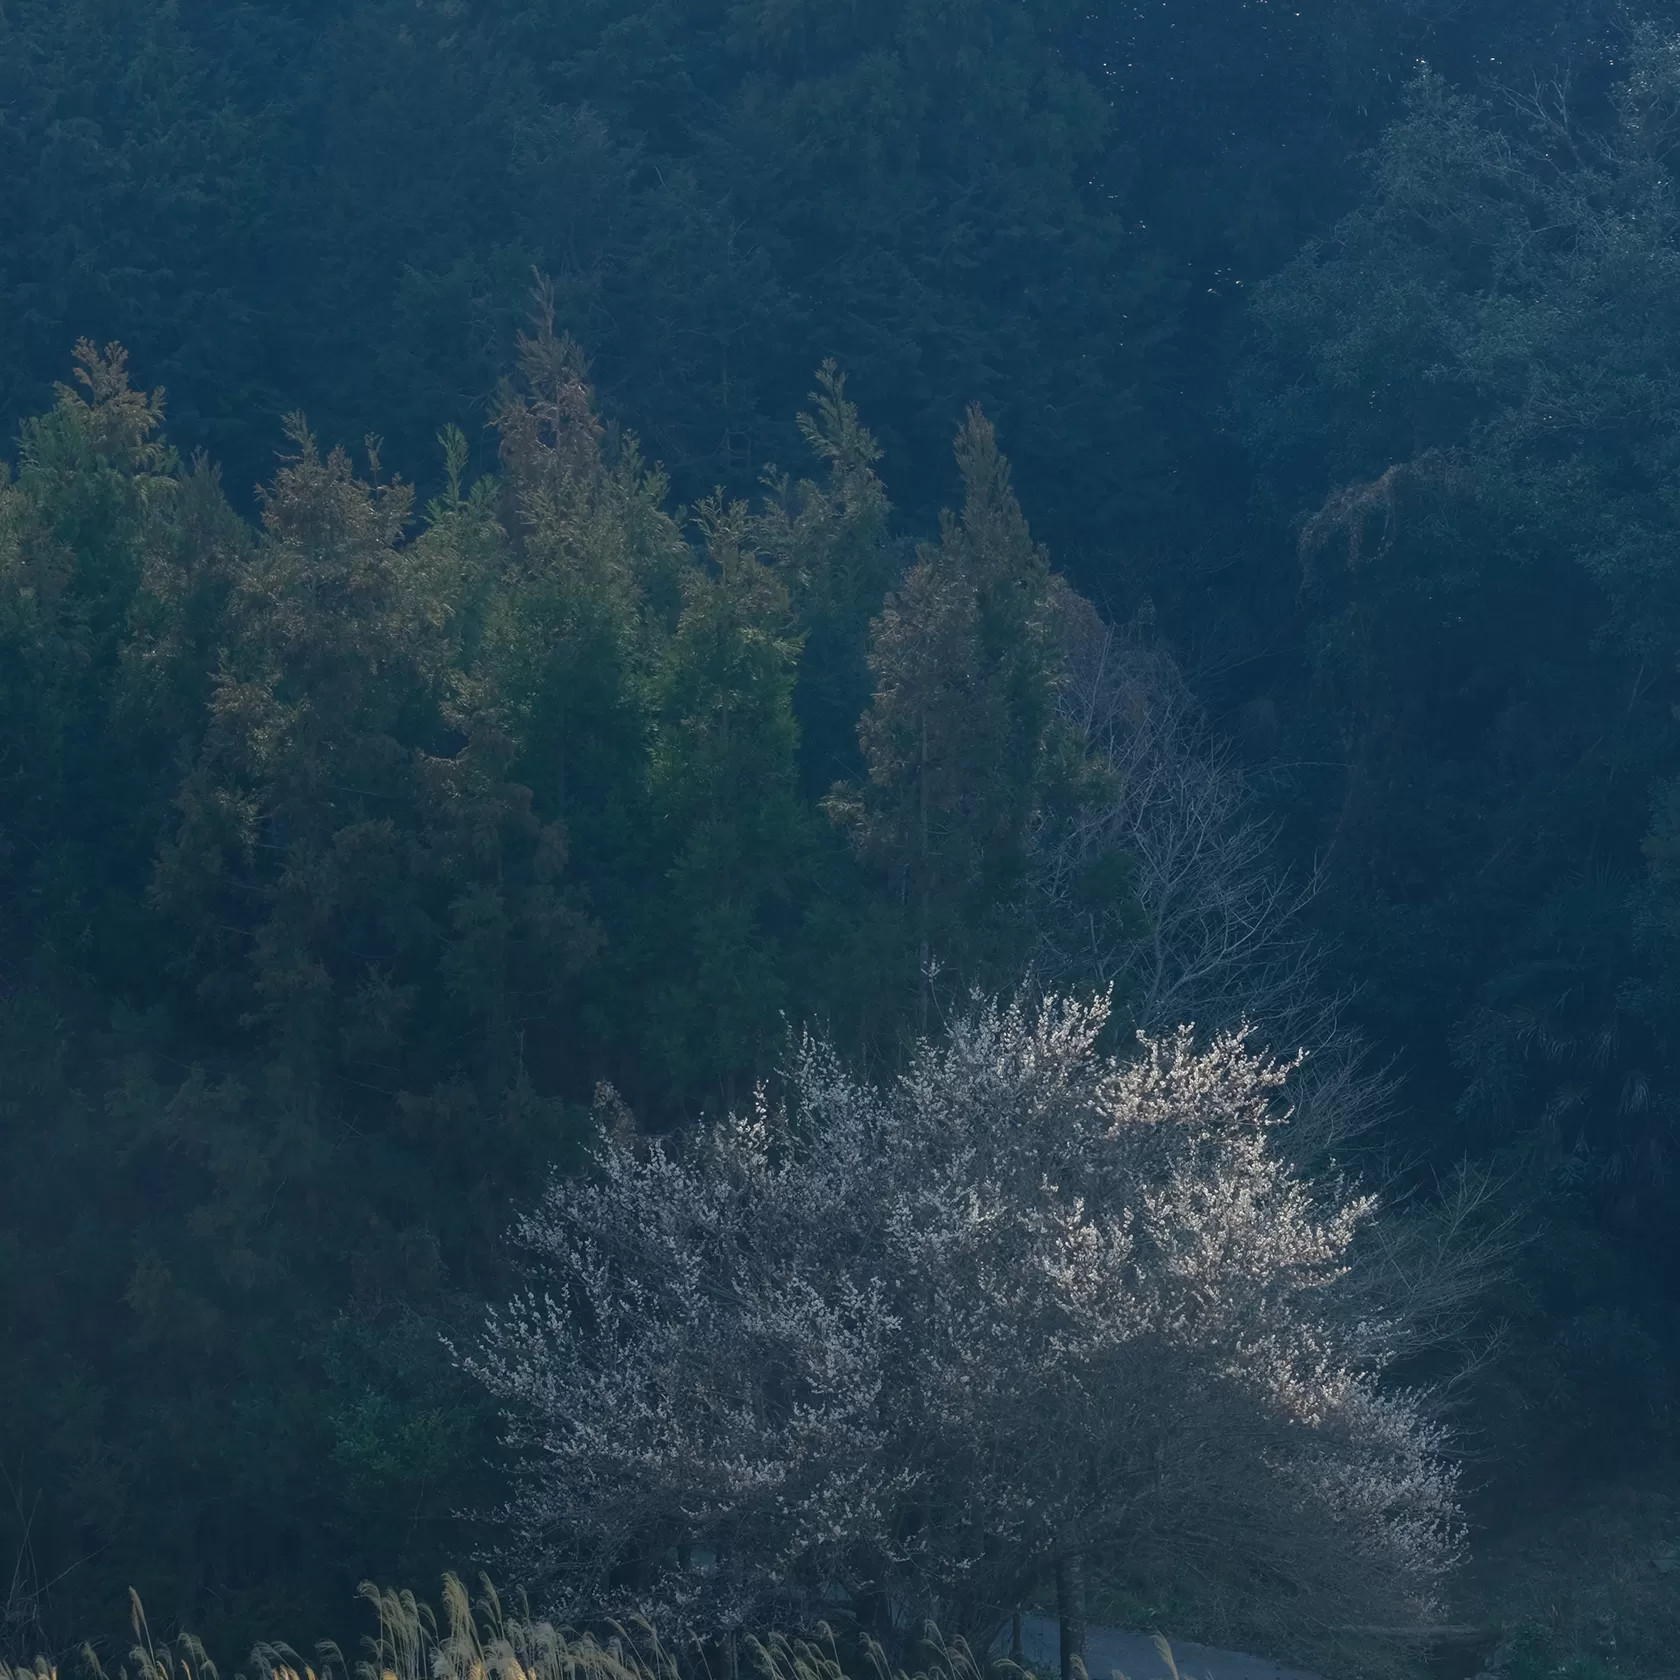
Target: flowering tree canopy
<point>907,1348</point>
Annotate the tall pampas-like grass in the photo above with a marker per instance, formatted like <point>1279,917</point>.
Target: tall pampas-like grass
<point>484,1639</point>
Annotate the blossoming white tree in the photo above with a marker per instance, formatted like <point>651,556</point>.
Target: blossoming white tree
<point>913,1347</point>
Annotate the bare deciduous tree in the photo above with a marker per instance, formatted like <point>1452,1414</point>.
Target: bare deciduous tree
<point>1161,882</point>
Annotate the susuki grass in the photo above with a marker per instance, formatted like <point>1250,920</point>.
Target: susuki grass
<point>483,1639</point>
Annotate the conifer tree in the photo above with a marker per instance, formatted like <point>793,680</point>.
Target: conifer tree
<point>957,738</point>
<point>725,792</point>
<point>831,541</point>
<point>94,508</point>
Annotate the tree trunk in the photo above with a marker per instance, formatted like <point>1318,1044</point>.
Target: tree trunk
<point>1070,1609</point>
<point>926,885</point>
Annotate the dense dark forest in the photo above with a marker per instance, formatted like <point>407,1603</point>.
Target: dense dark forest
<point>550,546</point>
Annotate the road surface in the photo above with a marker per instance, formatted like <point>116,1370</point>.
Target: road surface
<point>1134,1655</point>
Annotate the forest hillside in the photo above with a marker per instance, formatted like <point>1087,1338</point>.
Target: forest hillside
<point>553,557</point>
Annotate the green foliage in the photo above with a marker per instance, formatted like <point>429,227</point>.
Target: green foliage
<point>1487,600</point>
<point>958,735</point>
<point>350,852</point>
<point>283,204</point>
<point>89,519</point>
<point>1464,381</point>
<point>348,845</point>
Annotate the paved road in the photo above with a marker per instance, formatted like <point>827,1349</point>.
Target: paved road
<point>1110,1651</point>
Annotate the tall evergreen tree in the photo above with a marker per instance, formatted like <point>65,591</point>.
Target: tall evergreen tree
<point>957,738</point>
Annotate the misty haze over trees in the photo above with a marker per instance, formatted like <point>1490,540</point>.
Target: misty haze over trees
<point>835,811</point>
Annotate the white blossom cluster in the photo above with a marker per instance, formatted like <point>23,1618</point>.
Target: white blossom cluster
<point>907,1346</point>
